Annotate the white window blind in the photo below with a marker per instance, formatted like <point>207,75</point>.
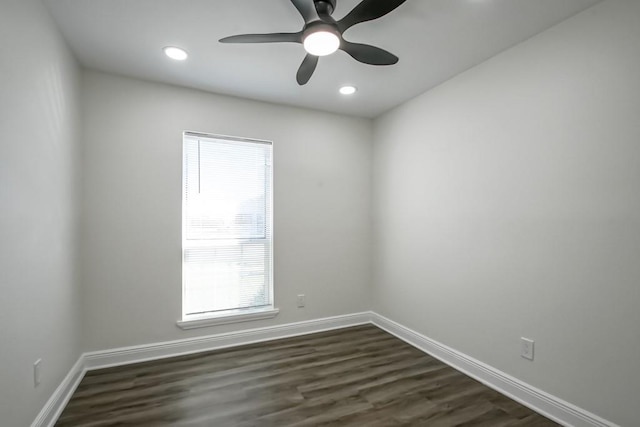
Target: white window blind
<point>227,225</point>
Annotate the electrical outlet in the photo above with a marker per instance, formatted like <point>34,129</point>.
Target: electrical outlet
<point>527,348</point>
<point>37,368</point>
<point>300,300</point>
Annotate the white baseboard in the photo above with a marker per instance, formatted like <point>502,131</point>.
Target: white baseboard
<point>141,353</point>
<point>146,352</point>
<point>60,397</point>
<point>550,406</point>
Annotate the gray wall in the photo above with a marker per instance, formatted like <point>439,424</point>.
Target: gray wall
<point>38,209</point>
<point>131,239</point>
<point>506,204</point>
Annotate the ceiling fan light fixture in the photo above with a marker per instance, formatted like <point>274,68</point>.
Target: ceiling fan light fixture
<point>321,42</point>
<point>175,53</point>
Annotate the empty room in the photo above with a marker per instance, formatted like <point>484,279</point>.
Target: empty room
<point>320,213</point>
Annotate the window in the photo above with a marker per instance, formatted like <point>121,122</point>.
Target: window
<point>227,244</point>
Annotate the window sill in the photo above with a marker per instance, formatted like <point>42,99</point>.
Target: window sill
<point>203,321</point>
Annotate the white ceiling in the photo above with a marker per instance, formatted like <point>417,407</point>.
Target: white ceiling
<point>434,39</point>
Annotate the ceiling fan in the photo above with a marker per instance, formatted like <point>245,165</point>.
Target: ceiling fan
<point>322,35</point>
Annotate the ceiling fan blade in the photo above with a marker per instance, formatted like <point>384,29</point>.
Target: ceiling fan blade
<point>368,10</point>
<point>307,9</point>
<point>306,69</point>
<point>368,54</point>
<point>264,38</point>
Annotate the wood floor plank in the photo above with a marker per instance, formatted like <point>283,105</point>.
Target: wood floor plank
<point>360,376</point>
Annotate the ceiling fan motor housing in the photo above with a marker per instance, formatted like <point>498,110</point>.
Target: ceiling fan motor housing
<point>321,26</point>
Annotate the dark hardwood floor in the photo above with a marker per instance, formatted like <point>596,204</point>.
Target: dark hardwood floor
<point>359,376</point>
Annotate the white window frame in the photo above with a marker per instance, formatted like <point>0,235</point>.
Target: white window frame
<point>191,321</point>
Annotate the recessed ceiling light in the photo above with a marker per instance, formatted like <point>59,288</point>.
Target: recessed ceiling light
<point>175,53</point>
<point>348,90</point>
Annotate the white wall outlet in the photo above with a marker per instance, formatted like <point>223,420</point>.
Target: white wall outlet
<point>300,300</point>
<point>527,348</point>
<point>37,368</point>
